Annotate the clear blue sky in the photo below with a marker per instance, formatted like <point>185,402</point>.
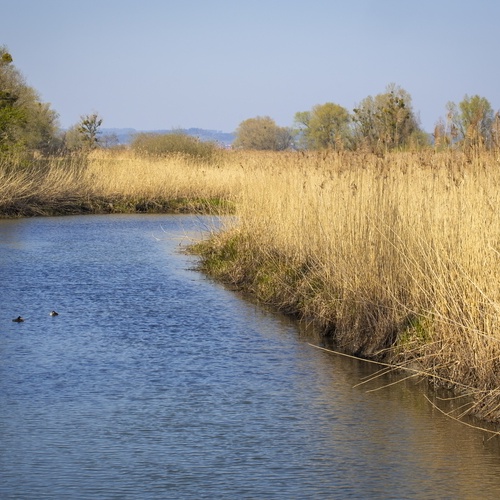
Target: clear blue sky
<point>162,64</point>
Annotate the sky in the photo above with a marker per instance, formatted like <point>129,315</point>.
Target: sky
<point>165,64</point>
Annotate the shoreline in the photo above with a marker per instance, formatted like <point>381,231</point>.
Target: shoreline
<point>216,260</point>
<point>394,257</point>
<point>104,206</point>
<point>219,261</point>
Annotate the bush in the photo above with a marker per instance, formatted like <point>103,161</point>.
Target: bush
<point>174,143</point>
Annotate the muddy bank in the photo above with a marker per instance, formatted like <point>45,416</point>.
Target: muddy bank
<point>83,206</point>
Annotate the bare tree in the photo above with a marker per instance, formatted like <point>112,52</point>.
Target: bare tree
<point>88,128</point>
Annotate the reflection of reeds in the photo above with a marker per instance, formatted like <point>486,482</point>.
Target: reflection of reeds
<point>397,258</point>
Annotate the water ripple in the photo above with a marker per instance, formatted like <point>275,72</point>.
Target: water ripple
<point>154,382</point>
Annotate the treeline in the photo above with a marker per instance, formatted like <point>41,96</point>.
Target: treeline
<point>27,124</point>
<point>378,124</point>
<point>385,122</point>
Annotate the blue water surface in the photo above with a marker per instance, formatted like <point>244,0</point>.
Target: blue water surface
<point>154,382</point>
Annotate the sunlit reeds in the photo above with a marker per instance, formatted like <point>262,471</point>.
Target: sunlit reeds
<point>395,257</point>
<point>112,182</point>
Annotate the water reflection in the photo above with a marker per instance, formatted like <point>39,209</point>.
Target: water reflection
<point>154,382</point>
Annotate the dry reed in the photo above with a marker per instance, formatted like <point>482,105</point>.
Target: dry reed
<point>107,181</point>
<point>395,257</point>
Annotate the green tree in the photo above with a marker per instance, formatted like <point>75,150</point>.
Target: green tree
<point>262,133</point>
<point>25,122</point>
<point>472,121</point>
<point>386,121</point>
<point>12,116</point>
<point>326,126</point>
<point>41,130</point>
<point>11,119</point>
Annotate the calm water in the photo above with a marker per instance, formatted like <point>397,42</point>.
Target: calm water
<point>154,382</point>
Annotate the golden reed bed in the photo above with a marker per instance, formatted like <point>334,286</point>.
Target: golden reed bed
<point>396,257</point>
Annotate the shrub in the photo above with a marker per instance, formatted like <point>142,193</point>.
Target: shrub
<point>174,143</point>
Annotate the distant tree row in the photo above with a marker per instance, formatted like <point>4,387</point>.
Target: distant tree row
<point>381,123</point>
<point>378,124</point>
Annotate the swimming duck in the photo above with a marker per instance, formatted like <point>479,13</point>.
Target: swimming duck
<point>53,313</point>
<point>19,319</point>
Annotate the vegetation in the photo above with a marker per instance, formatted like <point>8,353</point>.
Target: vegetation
<point>176,143</point>
<point>473,121</point>
<point>262,133</point>
<point>25,122</point>
<point>88,128</point>
<point>395,258</point>
<point>85,135</point>
<point>325,127</point>
<point>108,181</point>
<point>386,121</point>
<point>378,124</point>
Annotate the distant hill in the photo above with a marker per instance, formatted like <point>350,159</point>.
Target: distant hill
<point>125,135</point>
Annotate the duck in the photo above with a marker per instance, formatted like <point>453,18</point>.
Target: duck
<point>53,313</point>
<point>19,319</point>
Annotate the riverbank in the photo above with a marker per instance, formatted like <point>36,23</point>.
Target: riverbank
<point>111,182</point>
<point>395,258</point>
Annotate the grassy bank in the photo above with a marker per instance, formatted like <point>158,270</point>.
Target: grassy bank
<point>111,182</point>
<point>396,258</point>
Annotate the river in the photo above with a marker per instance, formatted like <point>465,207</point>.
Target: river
<point>154,382</point>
